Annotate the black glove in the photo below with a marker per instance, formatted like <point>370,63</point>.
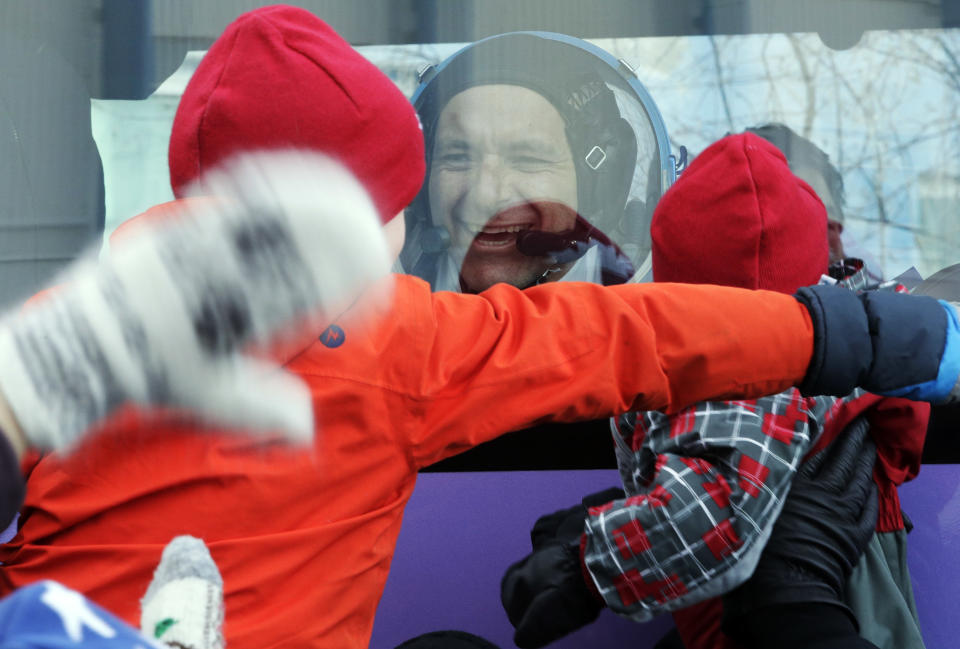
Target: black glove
<point>546,595</point>
<point>801,625</point>
<point>827,522</point>
<point>567,524</point>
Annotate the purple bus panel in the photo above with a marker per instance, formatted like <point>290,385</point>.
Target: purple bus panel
<point>461,531</point>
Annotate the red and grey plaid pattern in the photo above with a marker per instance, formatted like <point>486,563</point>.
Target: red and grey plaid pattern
<point>704,489</point>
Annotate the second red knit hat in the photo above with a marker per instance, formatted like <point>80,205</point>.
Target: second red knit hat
<point>739,217</point>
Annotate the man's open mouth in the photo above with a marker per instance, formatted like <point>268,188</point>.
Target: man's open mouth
<point>501,231</point>
<point>502,235</point>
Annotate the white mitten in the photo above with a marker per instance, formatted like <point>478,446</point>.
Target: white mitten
<point>183,606</point>
<point>163,321</point>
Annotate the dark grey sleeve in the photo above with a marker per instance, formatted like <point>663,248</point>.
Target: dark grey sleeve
<point>12,489</point>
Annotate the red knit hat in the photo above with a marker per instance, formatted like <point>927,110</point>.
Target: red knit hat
<point>739,217</point>
<point>280,77</point>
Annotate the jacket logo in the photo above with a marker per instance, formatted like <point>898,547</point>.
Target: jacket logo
<point>333,336</point>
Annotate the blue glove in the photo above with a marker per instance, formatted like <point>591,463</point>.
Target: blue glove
<point>886,343</point>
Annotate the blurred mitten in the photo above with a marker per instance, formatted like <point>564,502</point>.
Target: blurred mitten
<point>546,594</point>
<point>183,606</point>
<point>163,321</point>
<point>826,523</point>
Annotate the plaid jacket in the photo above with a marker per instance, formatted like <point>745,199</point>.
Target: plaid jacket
<point>705,486</point>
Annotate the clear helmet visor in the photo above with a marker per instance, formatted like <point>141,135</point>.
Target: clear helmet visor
<point>545,159</point>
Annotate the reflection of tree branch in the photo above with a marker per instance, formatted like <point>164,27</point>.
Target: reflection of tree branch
<point>953,61</point>
<point>839,113</point>
<point>773,96</point>
<point>720,86</point>
<point>890,112</point>
<point>905,145</point>
<point>903,227</point>
<point>899,56</point>
<point>926,58</point>
<point>881,203</point>
<point>857,100</point>
<point>666,53</point>
<point>807,83</point>
<point>930,60</point>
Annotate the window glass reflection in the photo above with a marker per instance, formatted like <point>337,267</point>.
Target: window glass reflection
<point>883,112</point>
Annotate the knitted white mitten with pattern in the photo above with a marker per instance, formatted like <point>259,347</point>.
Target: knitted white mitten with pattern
<point>165,319</point>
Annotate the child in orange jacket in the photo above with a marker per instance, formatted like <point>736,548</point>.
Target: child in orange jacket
<point>304,538</point>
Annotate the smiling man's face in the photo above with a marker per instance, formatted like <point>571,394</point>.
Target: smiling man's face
<point>501,165</point>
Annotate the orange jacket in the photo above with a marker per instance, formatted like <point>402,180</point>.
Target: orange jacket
<point>304,538</point>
